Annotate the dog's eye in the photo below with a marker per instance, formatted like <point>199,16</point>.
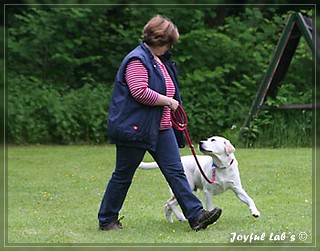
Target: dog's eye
<point>213,140</point>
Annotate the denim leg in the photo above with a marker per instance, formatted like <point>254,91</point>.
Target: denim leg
<point>167,156</point>
<point>128,159</point>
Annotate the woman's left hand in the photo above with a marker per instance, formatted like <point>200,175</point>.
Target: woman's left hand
<point>173,104</point>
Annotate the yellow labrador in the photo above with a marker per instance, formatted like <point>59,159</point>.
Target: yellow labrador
<point>218,160</point>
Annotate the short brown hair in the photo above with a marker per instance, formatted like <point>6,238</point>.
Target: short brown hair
<point>160,31</point>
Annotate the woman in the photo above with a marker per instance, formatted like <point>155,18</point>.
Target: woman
<point>145,92</point>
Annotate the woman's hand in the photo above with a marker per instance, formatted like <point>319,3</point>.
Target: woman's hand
<point>166,101</point>
<point>173,104</point>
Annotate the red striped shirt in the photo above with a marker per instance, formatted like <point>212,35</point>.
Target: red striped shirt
<point>166,115</point>
<point>137,79</point>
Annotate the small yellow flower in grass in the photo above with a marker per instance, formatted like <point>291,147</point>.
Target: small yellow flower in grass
<point>45,194</point>
<point>306,201</point>
<point>173,231</point>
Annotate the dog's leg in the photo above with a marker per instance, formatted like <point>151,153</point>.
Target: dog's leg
<point>208,198</point>
<point>172,207</point>
<point>244,197</point>
<point>168,212</point>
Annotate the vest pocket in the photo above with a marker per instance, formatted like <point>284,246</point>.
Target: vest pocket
<point>139,126</point>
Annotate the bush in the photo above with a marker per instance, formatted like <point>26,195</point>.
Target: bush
<point>271,129</point>
<point>62,62</point>
<point>39,114</point>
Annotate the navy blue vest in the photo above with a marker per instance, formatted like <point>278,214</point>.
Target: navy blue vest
<point>131,123</point>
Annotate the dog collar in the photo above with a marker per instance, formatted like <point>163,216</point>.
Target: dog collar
<point>214,166</point>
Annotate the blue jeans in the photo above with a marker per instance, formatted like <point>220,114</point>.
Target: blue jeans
<point>167,156</point>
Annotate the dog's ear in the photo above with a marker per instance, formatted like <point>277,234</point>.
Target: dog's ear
<point>229,147</point>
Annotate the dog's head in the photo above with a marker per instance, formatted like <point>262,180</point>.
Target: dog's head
<point>219,148</point>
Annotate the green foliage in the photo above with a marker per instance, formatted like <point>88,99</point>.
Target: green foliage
<point>275,129</point>
<point>218,91</point>
<point>40,114</point>
<point>60,46</point>
<point>62,62</point>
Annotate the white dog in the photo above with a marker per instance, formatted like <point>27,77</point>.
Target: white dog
<point>219,160</point>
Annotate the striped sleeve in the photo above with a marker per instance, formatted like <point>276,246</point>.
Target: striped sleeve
<point>137,79</point>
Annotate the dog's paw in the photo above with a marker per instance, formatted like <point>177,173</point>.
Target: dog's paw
<point>169,218</point>
<point>181,218</point>
<point>256,214</point>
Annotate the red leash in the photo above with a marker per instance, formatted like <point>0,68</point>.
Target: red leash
<point>180,122</point>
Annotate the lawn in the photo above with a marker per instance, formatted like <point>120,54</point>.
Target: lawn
<point>54,193</point>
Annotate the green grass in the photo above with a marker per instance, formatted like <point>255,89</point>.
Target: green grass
<point>54,193</point>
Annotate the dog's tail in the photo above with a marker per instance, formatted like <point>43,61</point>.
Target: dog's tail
<point>148,165</point>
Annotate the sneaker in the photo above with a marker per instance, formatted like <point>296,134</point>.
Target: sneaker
<point>113,225</point>
<point>206,218</point>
